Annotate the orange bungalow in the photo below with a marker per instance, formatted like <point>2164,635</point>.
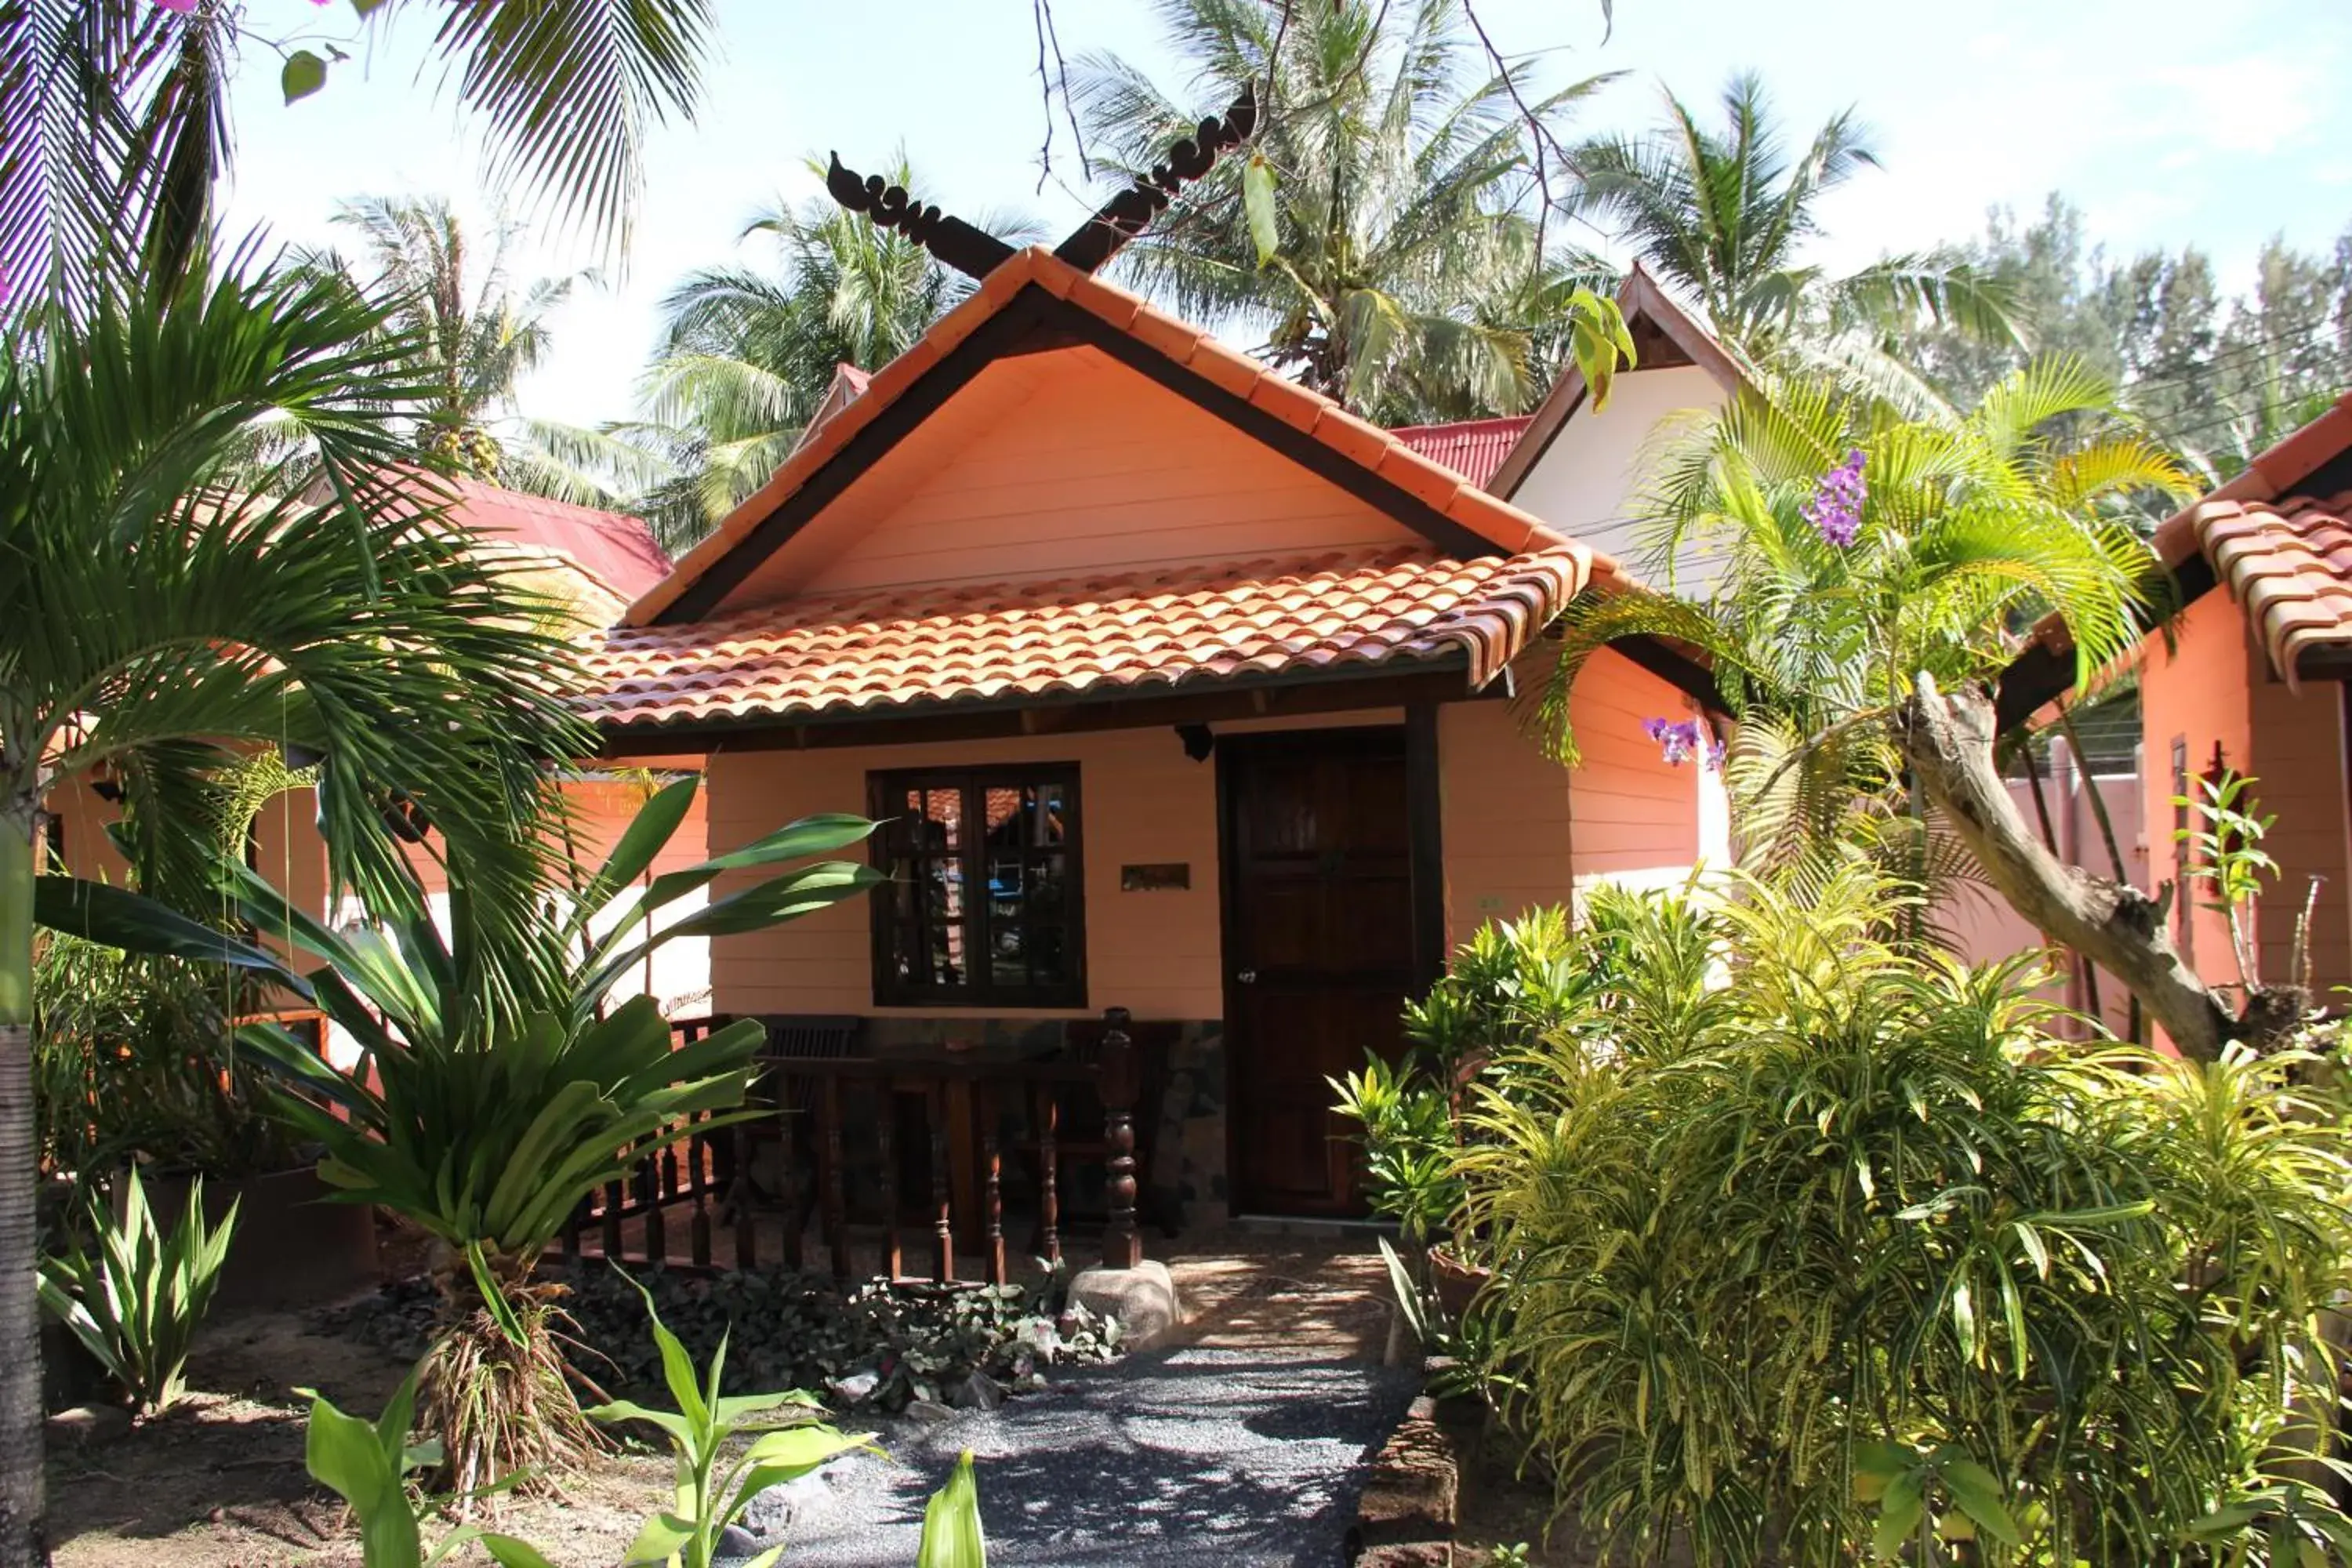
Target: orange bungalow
<point>2250,676</point>
<point>1180,689</point>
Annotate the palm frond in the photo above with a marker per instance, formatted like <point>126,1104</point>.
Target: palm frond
<point>571,89</point>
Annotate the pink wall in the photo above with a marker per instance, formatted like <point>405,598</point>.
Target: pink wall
<point>1984,928</point>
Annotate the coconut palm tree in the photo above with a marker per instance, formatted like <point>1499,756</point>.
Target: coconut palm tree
<point>476,337</point>
<point>1725,214</point>
<point>1403,274</point>
<point>115,128</point>
<point>1879,574</point>
<point>746,354</point>
<point>162,609</point>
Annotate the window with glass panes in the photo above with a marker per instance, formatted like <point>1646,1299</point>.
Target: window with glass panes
<point>983,904</point>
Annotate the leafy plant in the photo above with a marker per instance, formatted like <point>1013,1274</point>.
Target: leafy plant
<point>711,1498</point>
<point>368,1465</point>
<point>1857,1197</point>
<point>1378,231</point>
<point>497,1089</point>
<point>952,1533</point>
<point>1906,1484</point>
<point>136,1305</point>
<point>1407,1119</point>
<point>2224,837</point>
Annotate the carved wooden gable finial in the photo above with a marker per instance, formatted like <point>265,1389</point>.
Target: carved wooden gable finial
<point>1128,214</point>
<point>969,250</point>
<point>976,253</point>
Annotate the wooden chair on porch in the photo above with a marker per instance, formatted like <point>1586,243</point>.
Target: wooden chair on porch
<point>1072,1114</point>
<point>783,1164</point>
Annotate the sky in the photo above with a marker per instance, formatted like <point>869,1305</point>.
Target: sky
<point>2213,123</point>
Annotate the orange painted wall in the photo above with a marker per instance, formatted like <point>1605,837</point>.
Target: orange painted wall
<point>1508,823</point>
<point>1140,800</point>
<point>2297,762</point>
<point>1637,816</point>
<point>1070,462</point>
<point>2195,692</point>
<point>1514,828</point>
<point>2215,685</point>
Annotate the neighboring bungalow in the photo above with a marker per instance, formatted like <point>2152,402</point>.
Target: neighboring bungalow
<point>592,563</point>
<point>1181,690</point>
<point>2250,678</point>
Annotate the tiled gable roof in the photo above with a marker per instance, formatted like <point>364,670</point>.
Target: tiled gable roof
<point>1377,451</point>
<point>893,647</point>
<point>2288,564</point>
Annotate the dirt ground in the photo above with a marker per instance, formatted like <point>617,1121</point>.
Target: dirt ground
<point>219,1481</point>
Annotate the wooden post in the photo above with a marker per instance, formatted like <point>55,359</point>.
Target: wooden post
<point>795,1213</point>
<point>609,1233</point>
<point>993,1196</point>
<point>747,1249</point>
<point>886,1133</point>
<point>836,1204</point>
<point>571,1231</point>
<point>697,1181</point>
<point>657,1170</point>
<point>1120,1083</point>
<point>935,1115</point>
<point>1049,1172</point>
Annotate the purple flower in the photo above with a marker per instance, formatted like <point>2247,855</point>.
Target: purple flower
<point>1835,511</point>
<point>1679,742</point>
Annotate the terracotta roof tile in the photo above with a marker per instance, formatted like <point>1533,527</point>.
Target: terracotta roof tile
<point>894,647</point>
<point>1495,520</point>
<point>2289,564</point>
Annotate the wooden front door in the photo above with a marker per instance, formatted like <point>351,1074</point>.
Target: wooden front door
<point>1319,947</point>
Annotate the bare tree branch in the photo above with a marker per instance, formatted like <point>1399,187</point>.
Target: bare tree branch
<point>1947,740</point>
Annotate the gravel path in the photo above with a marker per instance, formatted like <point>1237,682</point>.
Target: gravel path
<point>1177,1456</point>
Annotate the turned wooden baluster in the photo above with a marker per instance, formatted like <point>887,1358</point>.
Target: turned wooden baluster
<point>935,1111</point>
<point>1120,1081</point>
<point>661,1175</point>
<point>837,1205</point>
<point>1049,1171</point>
<point>795,1216</point>
<point>747,1249</point>
<point>886,1133</point>
<point>698,1178</point>
<point>610,1232</point>
<point>993,1196</point>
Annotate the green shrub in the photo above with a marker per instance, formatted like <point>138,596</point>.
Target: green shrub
<point>1846,1244</point>
<point>132,1059</point>
<point>497,1086</point>
<point>136,1303</point>
<point>713,1489</point>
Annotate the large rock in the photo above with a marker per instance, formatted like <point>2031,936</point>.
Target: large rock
<point>1143,1299</point>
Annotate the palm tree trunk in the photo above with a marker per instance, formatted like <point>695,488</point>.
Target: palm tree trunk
<point>20,1323</point>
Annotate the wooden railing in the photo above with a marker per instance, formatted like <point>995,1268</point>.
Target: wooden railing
<point>707,1174</point>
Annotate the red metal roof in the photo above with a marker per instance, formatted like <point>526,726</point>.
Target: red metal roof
<point>615,550</point>
<point>1473,449</point>
<point>893,647</point>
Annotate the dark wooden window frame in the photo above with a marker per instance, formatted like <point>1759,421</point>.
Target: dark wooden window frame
<point>885,791</point>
